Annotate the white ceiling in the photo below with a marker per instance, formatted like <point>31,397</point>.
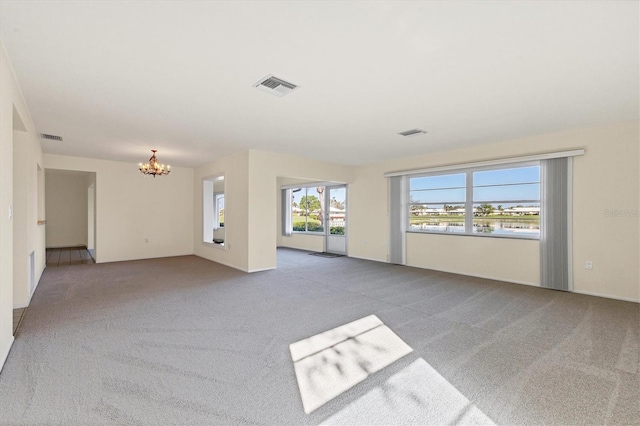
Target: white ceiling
<point>116,79</point>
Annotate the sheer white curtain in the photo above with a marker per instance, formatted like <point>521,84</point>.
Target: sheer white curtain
<point>555,224</point>
<point>287,228</point>
<point>398,216</point>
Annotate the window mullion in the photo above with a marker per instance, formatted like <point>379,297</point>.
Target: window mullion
<point>306,210</point>
<point>468,205</point>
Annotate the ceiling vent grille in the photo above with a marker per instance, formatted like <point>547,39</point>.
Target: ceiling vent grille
<point>275,86</point>
<point>51,137</point>
<point>412,132</point>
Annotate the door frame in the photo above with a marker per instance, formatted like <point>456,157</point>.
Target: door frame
<point>327,218</point>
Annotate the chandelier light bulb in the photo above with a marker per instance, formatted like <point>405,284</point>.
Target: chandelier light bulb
<point>153,167</point>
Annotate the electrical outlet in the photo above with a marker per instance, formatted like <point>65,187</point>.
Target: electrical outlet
<point>589,264</point>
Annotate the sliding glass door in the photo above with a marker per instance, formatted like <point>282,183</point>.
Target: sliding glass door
<point>336,219</point>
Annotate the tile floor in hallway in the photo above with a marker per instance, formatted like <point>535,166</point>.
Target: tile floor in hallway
<point>67,256</point>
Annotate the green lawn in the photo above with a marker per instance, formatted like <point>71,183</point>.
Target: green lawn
<point>313,225</point>
<point>302,219</point>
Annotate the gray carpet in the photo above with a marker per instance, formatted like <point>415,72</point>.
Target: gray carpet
<point>186,341</point>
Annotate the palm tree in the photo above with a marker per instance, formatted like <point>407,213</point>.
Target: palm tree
<point>320,190</point>
<point>484,209</point>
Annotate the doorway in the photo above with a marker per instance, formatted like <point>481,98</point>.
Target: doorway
<point>336,219</point>
<point>71,201</point>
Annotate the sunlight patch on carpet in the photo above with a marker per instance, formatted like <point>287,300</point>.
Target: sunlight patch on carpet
<point>332,362</point>
<point>417,394</point>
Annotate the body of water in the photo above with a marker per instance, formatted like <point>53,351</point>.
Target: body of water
<point>483,226</point>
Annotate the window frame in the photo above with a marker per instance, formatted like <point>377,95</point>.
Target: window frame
<point>305,188</point>
<point>469,202</point>
<point>209,211</point>
<point>217,209</point>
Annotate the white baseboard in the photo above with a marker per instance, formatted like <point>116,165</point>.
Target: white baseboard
<point>5,355</point>
<point>457,273</point>
<point>222,263</point>
<point>28,302</point>
<point>485,277</point>
<point>368,258</point>
<point>271,268</point>
<point>26,305</point>
<point>606,296</point>
<point>587,293</point>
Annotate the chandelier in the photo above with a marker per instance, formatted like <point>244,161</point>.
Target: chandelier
<point>153,166</point>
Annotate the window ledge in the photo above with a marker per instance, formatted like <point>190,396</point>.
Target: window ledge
<point>212,244</point>
<point>461,234</point>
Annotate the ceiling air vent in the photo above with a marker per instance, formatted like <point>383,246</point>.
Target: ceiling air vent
<point>412,132</point>
<point>51,137</point>
<point>275,86</point>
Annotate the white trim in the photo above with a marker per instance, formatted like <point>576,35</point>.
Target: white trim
<point>223,263</point>
<point>214,245</point>
<point>485,277</point>
<point>586,293</point>
<point>270,268</point>
<point>312,184</point>
<point>248,271</point>
<point>606,296</point>
<point>458,166</point>
<point>370,259</point>
<point>455,272</point>
<point>6,354</point>
<point>28,302</point>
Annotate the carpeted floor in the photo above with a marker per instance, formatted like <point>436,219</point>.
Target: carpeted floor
<point>326,255</point>
<point>186,341</point>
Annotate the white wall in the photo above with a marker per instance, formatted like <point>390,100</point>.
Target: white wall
<point>17,129</point>
<point>264,170</point>
<point>28,236</point>
<point>308,242</point>
<point>506,259</point>
<point>252,206</point>
<point>236,208</point>
<point>605,179</point>
<point>132,208</point>
<point>67,208</point>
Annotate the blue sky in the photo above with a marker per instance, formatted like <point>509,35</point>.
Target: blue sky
<point>523,184</point>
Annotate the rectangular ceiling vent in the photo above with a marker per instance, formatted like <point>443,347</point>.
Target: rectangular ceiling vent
<point>412,132</point>
<point>51,137</point>
<point>275,86</point>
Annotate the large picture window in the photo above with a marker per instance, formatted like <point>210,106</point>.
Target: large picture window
<point>307,209</point>
<point>501,201</point>
<point>437,203</point>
